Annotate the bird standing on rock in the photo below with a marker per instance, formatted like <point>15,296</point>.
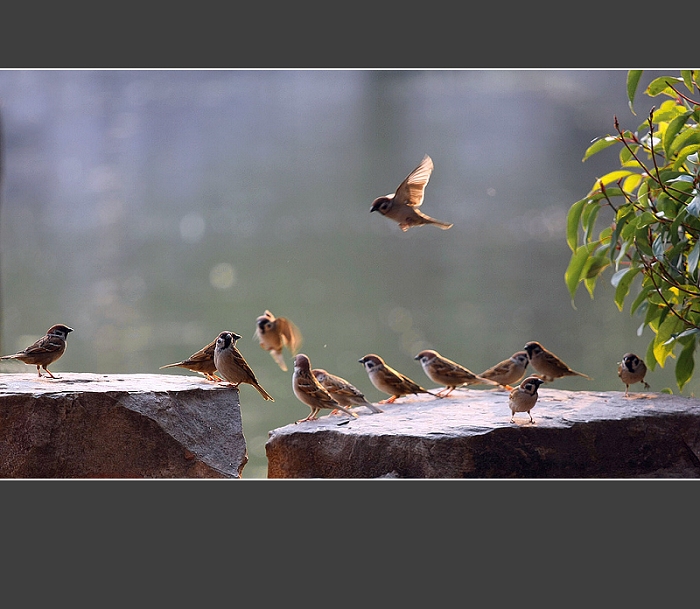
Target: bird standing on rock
<point>232,365</point>
<point>508,371</point>
<point>444,371</point>
<point>44,351</point>
<point>309,390</point>
<point>402,206</point>
<point>549,366</point>
<point>632,369</point>
<point>342,391</point>
<point>390,381</point>
<point>524,397</point>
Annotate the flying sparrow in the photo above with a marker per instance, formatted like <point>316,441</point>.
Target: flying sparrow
<point>444,371</point>
<point>402,206</point>
<point>524,397</point>
<point>342,391</point>
<point>548,365</point>
<point>390,381</point>
<point>202,361</point>
<point>632,369</point>
<point>232,365</point>
<point>274,333</point>
<point>46,350</point>
<point>508,371</point>
<point>309,390</point>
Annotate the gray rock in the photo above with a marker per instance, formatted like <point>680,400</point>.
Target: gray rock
<point>119,426</point>
<point>469,435</point>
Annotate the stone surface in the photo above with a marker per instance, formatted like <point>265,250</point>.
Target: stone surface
<point>119,426</point>
<point>469,435</point>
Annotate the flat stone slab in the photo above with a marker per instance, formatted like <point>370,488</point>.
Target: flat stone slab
<point>119,426</point>
<point>469,435</point>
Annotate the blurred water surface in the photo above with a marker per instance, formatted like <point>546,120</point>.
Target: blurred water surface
<point>152,209</point>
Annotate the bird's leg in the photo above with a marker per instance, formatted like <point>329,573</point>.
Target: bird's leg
<point>390,400</point>
<point>48,372</point>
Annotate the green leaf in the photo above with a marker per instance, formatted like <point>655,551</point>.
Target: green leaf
<point>685,364</point>
<point>572,220</point>
<point>575,271</point>
<point>588,218</point>
<point>622,281</point>
<point>614,176</point>
<point>598,145</point>
<point>672,130</point>
<point>687,154</point>
<point>633,77</point>
<point>662,85</point>
<point>685,138</point>
<point>687,76</point>
<point>663,347</point>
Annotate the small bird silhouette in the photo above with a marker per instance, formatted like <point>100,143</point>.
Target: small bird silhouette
<point>201,361</point>
<point>549,366</point>
<point>508,371</point>
<point>524,397</point>
<point>275,333</point>
<point>402,206</point>
<point>632,369</point>
<point>446,372</point>
<point>343,391</point>
<point>232,365</point>
<point>44,351</point>
<point>308,390</point>
<point>390,381</point>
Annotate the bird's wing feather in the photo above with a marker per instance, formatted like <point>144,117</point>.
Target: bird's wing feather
<point>412,189</point>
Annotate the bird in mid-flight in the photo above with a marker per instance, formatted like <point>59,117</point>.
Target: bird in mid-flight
<point>403,206</point>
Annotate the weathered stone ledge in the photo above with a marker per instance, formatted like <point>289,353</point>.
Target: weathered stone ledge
<point>582,434</point>
<point>119,426</point>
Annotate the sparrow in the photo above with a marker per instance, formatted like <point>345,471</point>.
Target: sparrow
<point>508,371</point>
<point>444,371</point>
<point>46,350</point>
<point>342,391</point>
<point>309,390</point>
<point>524,397</point>
<point>274,333</point>
<point>402,206</point>
<point>548,365</point>
<point>232,365</point>
<point>390,381</point>
<point>202,361</point>
<point>632,369</point>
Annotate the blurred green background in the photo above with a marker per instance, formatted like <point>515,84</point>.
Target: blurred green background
<point>152,209</point>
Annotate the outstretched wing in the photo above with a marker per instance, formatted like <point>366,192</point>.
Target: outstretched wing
<point>412,189</point>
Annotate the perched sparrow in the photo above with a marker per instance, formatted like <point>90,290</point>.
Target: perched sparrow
<point>388,380</point>
<point>46,350</point>
<point>202,361</point>
<point>508,371</point>
<point>309,390</point>
<point>632,369</point>
<point>275,333</point>
<point>524,397</point>
<point>402,206</point>
<point>444,371</point>
<point>548,365</point>
<point>232,365</point>
<point>342,391</point>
